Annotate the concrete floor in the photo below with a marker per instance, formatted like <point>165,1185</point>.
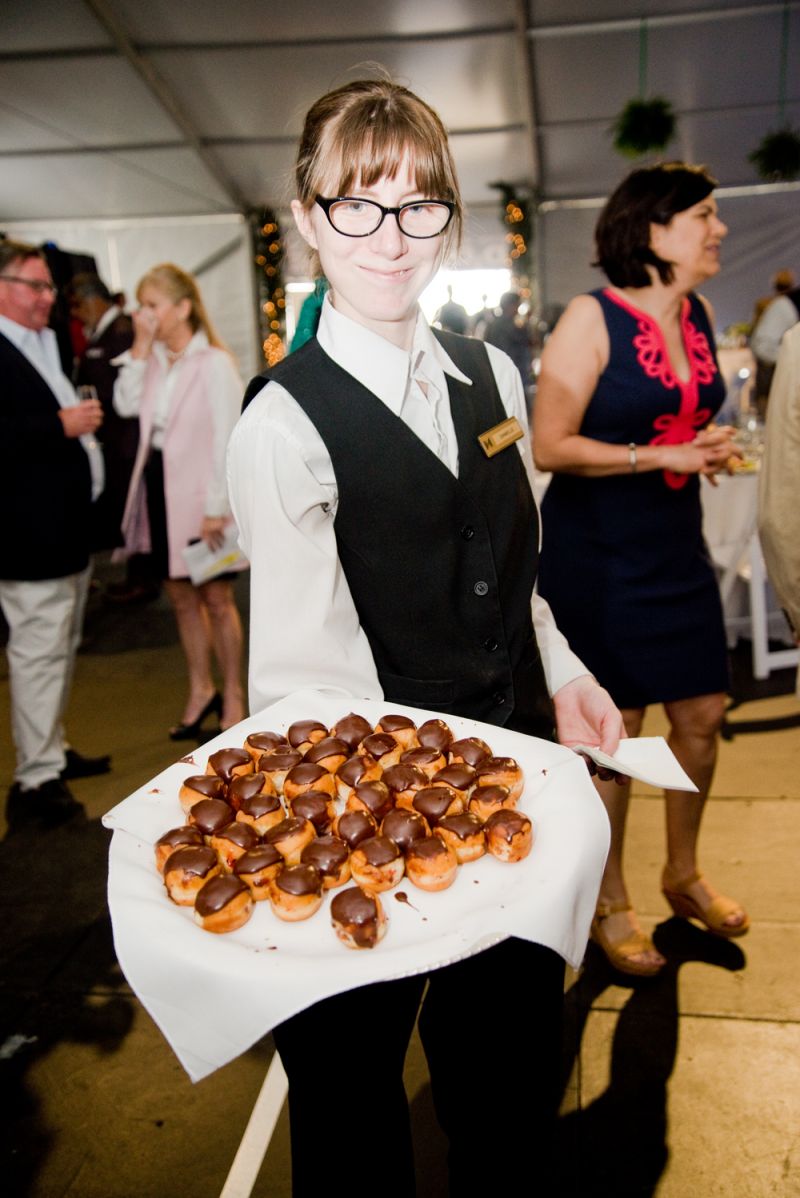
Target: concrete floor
<point>686,1085</point>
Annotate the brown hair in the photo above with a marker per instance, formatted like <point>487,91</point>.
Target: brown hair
<point>360,132</point>
<point>649,195</point>
<point>17,251</point>
<point>178,284</point>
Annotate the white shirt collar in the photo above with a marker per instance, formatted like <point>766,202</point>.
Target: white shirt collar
<point>381,367</point>
<point>108,317</point>
<point>18,334</point>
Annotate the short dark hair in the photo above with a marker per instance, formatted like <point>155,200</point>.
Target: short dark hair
<point>649,195</point>
<point>17,251</point>
<point>89,286</point>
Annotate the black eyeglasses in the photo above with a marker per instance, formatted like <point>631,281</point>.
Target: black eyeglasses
<point>358,218</point>
<point>35,284</point>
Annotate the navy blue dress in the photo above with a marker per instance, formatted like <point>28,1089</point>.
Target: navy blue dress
<point>624,564</point>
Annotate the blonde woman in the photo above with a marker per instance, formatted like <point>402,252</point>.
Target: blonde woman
<point>182,383</point>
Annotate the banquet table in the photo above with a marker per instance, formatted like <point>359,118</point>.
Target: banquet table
<point>730,525</point>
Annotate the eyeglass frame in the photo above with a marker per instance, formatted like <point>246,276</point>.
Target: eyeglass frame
<point>38,285</point>
<point>326,203</point>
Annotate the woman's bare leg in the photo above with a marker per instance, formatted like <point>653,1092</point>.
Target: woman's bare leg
<point>195,636</point>
<point>226,637</point>
<point>619,925</point>
<point>694,729</point>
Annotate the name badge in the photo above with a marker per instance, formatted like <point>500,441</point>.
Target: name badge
<point>501,436</point>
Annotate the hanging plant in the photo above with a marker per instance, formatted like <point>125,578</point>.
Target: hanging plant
<point>643,125</point>
<point>777,157</point>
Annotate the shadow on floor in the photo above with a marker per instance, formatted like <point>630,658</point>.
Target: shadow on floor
<point>59,978</point>
<point>617,1145</point>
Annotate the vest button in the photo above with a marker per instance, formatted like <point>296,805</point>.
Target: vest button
<point>481,588</point>
<point>499,699</point>
<point>490,645</point>
<point>468,532</point>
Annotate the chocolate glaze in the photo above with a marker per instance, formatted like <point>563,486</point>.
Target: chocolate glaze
<point>331,746</point>
<point>299,880</point>
<point>433,802</point>
<point>187,834</point>
<point>379,744</point>
<point>459,776</point>
<point>327,854</point>
<point>471,749</point>
<point>263,856</point>
<point>240,834</point>
<point>279,759</point>
<point>286,828</point>
<point>404,777</point>
<point>313,805</point>
<point>376,798</point>
<point>265,742</point>
<point>208,785</point>
<point>391,723</point>
<point>434,734</point>
<point>225,761</point>
<point>192,859</point>
<point>507,823</point>
<point>420,757</point>
<point>217,893</point>
<point>305,773</point>
<point>209,815</point>
<point>494,765</point>
<point>355,826</point>
<point>404,827</point>
<point>352,729</point>
<point>429,848</point>
<point>357,911</point>
<point>353,770</point>
<point>490,794</point>
<point>379,850</point>
<point>245,786</point>
<point>300,731</point>
<point>260,805</point>
<point>463,826</point>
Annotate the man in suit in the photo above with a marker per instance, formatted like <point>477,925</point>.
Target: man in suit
<point>52,471</point>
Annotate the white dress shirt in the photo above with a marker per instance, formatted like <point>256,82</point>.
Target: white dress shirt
<point>305,630</point>
<point>41,350</point>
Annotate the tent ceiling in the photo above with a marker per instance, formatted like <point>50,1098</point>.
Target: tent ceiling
<point>123,108</point>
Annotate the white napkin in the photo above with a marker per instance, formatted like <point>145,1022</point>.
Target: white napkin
<point>214,996</point>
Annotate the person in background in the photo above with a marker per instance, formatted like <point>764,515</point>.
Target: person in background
<point>182,384</point>
<point>513,336</point>
<point>452,316</point>
<point>628,388</point>
<point>779,481</point>
<point>109,332</point>
<point>53,469</point>
<point>779,313</point>
<point>368,509</point>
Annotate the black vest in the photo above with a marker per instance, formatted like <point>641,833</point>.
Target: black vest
<point>441,569</point>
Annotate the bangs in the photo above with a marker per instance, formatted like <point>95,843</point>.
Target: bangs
<point>363,151</point>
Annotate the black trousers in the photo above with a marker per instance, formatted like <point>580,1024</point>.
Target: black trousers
<point>491,1030</point>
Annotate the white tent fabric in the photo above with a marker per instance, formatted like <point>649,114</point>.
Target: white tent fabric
<point>117,109</point>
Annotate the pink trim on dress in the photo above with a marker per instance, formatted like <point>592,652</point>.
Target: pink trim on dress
<point>651,353</point>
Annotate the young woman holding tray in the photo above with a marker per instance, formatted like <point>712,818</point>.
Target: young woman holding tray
<point>392,557</point>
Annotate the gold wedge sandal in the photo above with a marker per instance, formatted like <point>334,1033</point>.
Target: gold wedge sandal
<point>622,953</point>
<point>713,914</point>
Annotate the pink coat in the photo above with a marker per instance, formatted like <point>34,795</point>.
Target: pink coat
<point>188,452</point>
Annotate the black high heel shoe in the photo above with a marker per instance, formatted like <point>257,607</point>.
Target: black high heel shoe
<point>193,731</point>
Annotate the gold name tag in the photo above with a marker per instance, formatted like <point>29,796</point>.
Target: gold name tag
<point>501,436</point>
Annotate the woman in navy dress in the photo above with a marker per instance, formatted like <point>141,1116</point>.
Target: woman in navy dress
<point>624,418</point>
